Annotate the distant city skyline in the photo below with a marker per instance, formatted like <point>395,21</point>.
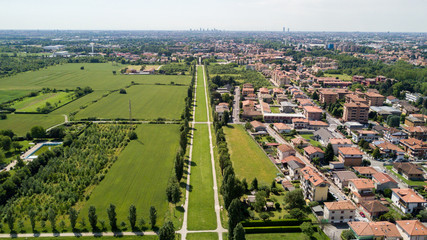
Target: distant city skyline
<point>232,15</point>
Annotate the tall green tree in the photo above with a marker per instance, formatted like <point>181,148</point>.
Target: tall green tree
<point>51,215</point>
<point>239,232</point>
<point>92,217</point>
<point>132,216</point>
<point>167,231</point>
<point>38,132</point>
<point>329,154</point>
<point>235,215</point>
<point>112,216</point>
<point>10,218</point>
<point>294,199</point>
<point>376,154</point>
<point>73,214</point>
<point>307,229</point>
<point>32,216</point>
<point>153,216</point>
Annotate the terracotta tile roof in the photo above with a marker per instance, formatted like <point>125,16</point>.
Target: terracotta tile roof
<point>382,178</point>
<point>352,104</point>
<point>413,143</point>
<point>285,148</point>
<point>345,175</point>
<point>413,227</point>
<point>407,168</point>
<point>299,120</point>
<point>374,206</point>
<point>365,170</point>
<point>340,205</point>
<point>281,126</point>
<point>362,183</point>
<point>256,124</point>
<point>308,173</point>
<point>317,123</point>
<point>350,151</point>
<point>298,140</point>
<point>310,150</point>
<point>373,94</point>
<point>377,229</point>
<point>291,158</point>
<point>312,109</point>
<point>340,141</point>
<point>408,195</point>
<point>367,132</point>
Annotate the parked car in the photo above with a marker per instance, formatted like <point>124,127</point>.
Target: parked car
<point>362,214</point>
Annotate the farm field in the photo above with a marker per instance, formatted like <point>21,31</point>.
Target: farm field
<point>148,102</point>
<point>140,176</point>
<point>22,123</point>
<point>8,95</point>
<point>80,102</point>
<point>200,98</point>
<point>248,159</point>
<point>30,104</point>
<point>201,212</point>
<point>98,76</point>
<point>202,236</point>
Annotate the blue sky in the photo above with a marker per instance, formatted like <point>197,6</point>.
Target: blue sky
<point>298,15</point>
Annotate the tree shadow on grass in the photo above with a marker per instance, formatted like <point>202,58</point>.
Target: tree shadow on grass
<point>184,185</point>
<point>180,209</point>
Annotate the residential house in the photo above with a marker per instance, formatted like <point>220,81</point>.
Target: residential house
<point>258,126</point>
<point>339,212</point>
<point>285,150</point>
<point>299,123</point>
<point>391,100</point>
<point>314,186</point>
<point>287,107</point>
<point>367,135</point>
<point>394,135</point>
<point>350,156</point>
<point>356,112</point>
<point>365,171</point>
<point>406,107</point>
<point>409,171</point>
<point>300,142</point>
<point>353,126</point>
<point>315,125</point>
<point>361,189</point>
<point>247,89</point>
<point>414,147</point>
<point>282,128</point>
<point>294,168</point>
<point>341,178</point>
<point>411,121</point>
<point>312,113</point>
<point>373,209</point>
<point>407,200</point>
<point>374,99</point>
<point>340,142</point>
<point>221,109</point>
<point>323,135</point>
<point>374,230</point>
<point>312,152</point>
<point>388,150</point>
<point>418,132</point>
<point>383,181</point>
<point>327,96</point>
<point>412,229</point>
<point>266,98</point>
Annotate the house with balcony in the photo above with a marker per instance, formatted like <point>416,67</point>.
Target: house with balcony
<point>340,142</point>
<point>314,186</point>
<point>414,147</point>
<point>365,171</point>
<point>374,230</point>
<point>373,209</point>
<point>285,150</point>
<point>409,171</point>
<point>312,152</point>
<point>407,200</point>
<point>341,178</point>
<point>412,229</point>
<point>361,189</point>
<point>383,181</point>
<point>367,135</point>
<point>394,135</point>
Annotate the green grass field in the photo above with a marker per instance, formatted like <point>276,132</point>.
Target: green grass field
<point>140,176</point>
<point>22,123</point>
<point>281,236</point>
<point>202,236</point>
<point>409,182</point>
<point>8,95</point>
<point>98,76</point>
<point>200,98</point>
<point>147,101</point>
<point>145,237</point>
<point>201,212</point>
<point>30,104</point>
<point>340,76</point>
<point>248,159</point>
<point>311,141</point>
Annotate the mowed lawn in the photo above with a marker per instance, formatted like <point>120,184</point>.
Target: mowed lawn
<point>22,123</point>
<point>139,176</point>
<point>201,212</point>
<point>8,95</point>
<point>98,76</point>
<point>202,236</point>
<point>248,159</point>
<point>144,237</point>
<point>147,102</point>
<point>30,104</point>
<point>201,108</point>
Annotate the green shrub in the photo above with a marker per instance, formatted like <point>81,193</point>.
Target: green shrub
<point>270,223</point>
<point>276,229</point>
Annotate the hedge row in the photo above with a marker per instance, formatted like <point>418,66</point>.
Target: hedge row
<point>271,223</point>
<point>280,229</point>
